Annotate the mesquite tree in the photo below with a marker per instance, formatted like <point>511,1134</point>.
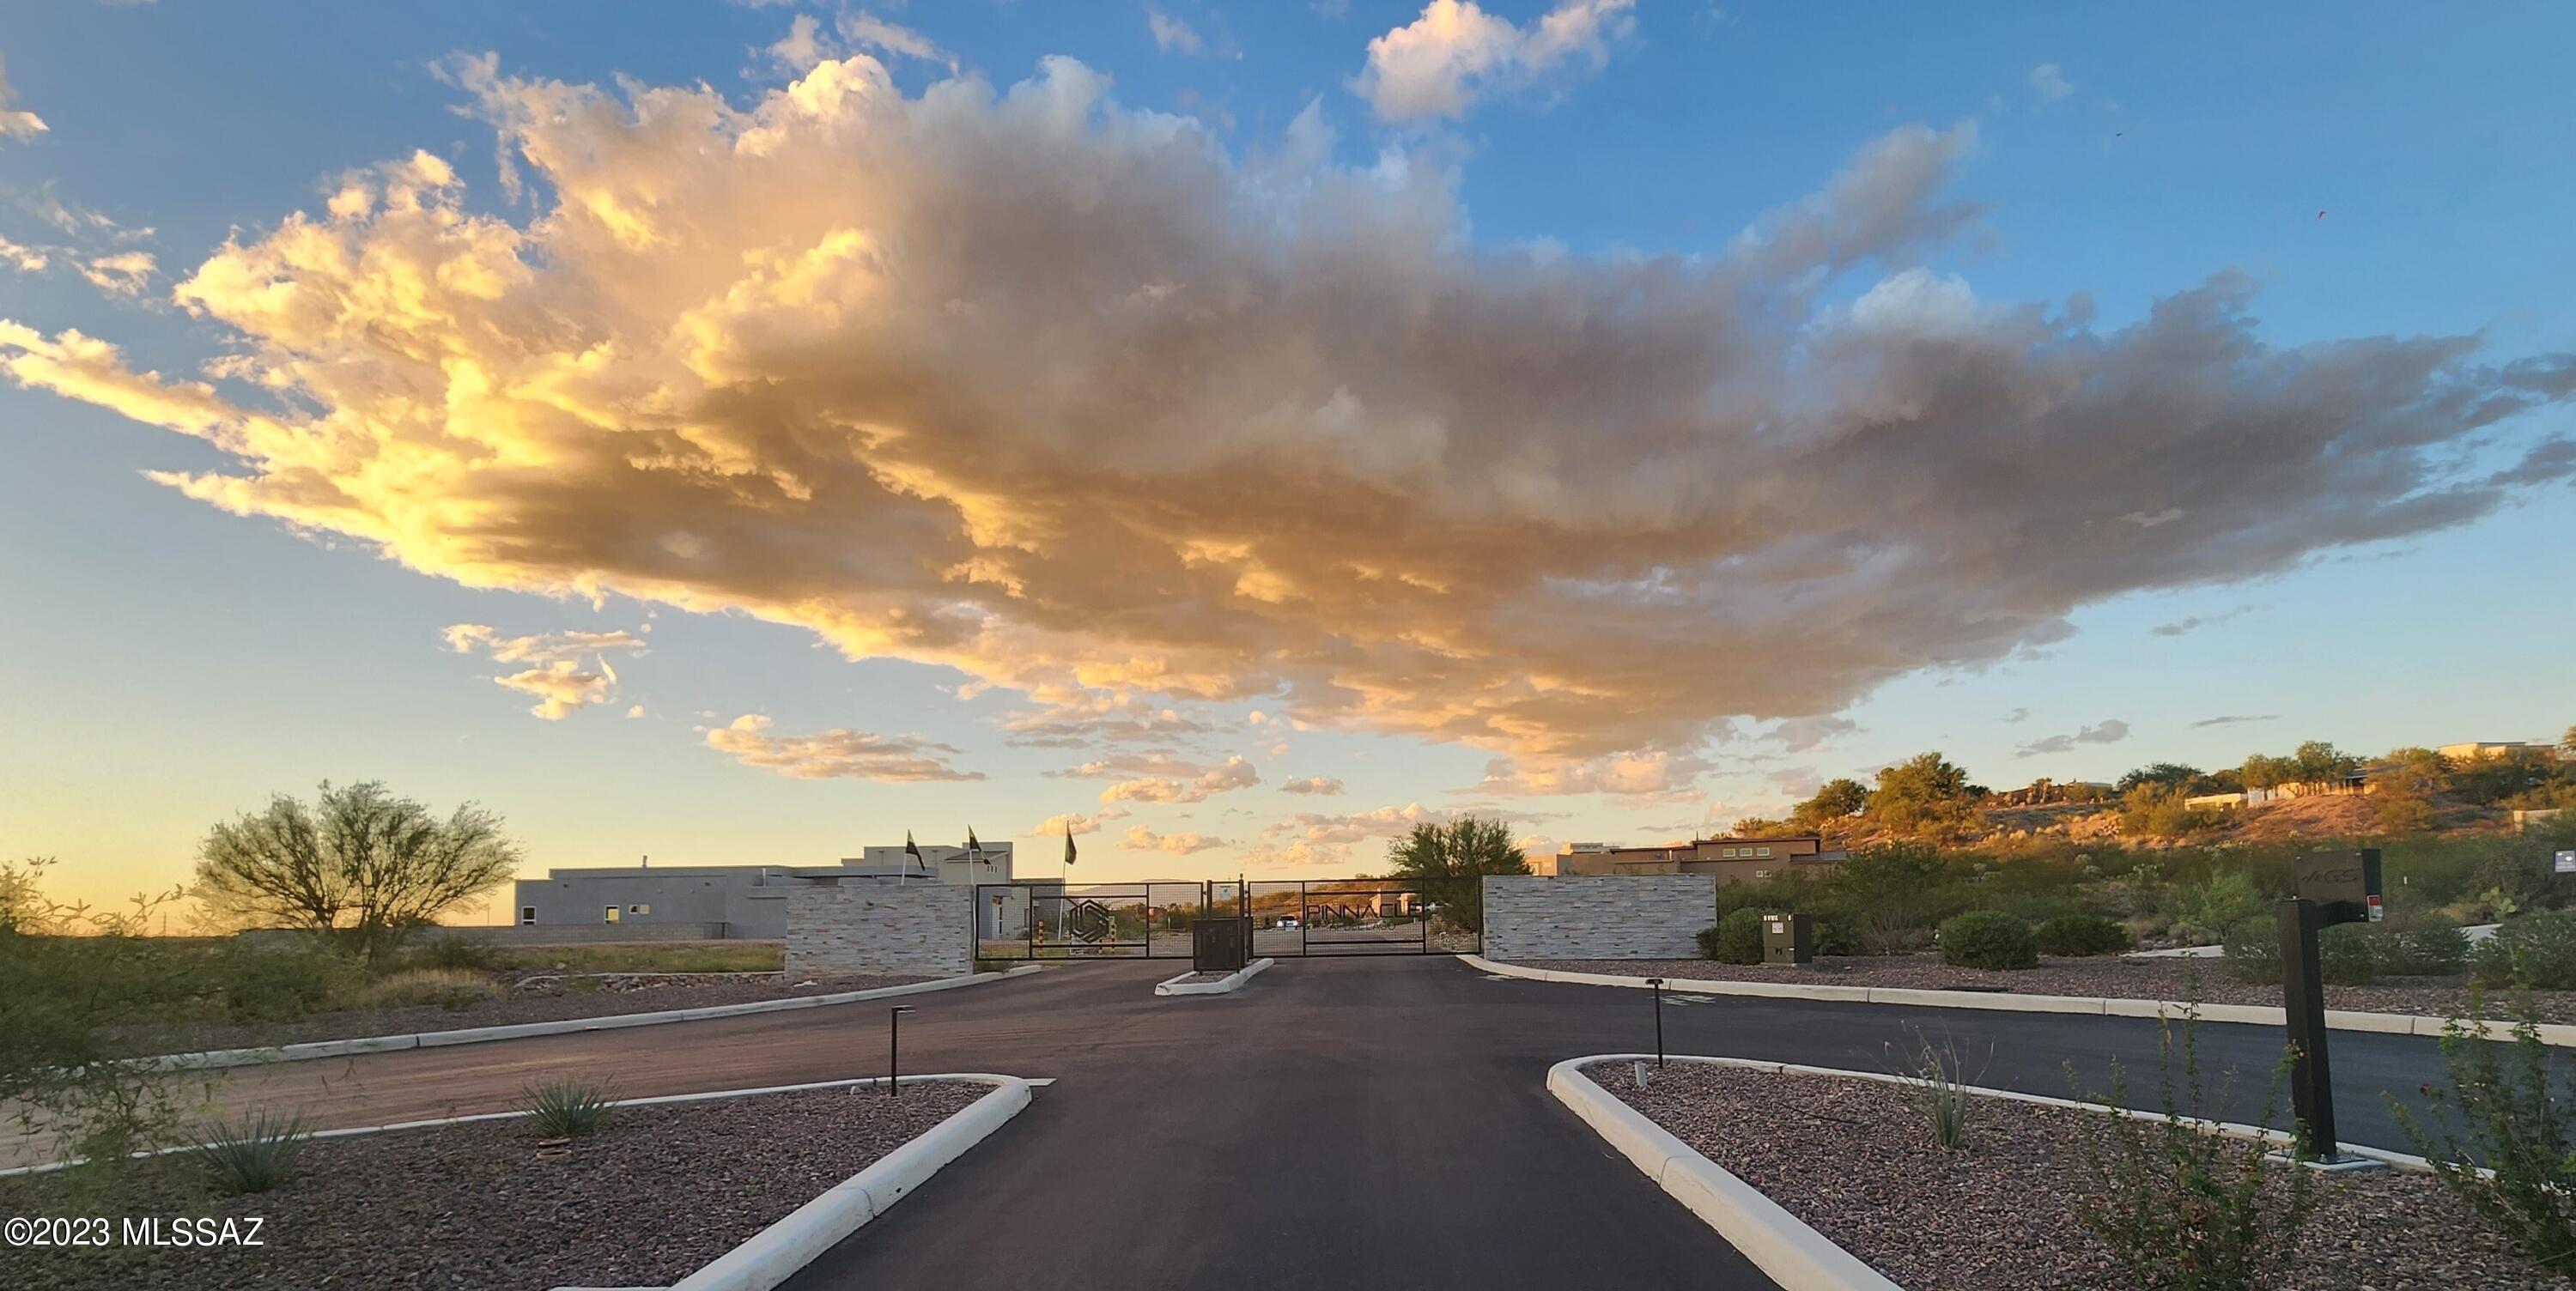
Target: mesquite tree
<point>358,861</point>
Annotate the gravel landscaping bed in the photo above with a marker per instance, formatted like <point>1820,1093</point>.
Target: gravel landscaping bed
<point>1853,1161</point>
<point>2110,977</point>
<point>647,1200</point>
<point>542,1002</point>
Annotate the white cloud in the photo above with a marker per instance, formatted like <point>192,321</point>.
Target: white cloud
<point>865,30</point>
<point>802,47</point>
<point>2109,731</point>
<point>562,686</point>
<point>542,647</point>
<point>1439,64</point>
<point>867,363</point>
<point>836,754</point>
<point>23,258</point>
<point>125,273</point>
<point>1172,35</point>
<point>1320,785</point>
<point>1231,774</point>
<point>557,678</point>
<point>636,711</point>
<point>1383,822</point>
<point>1075,821</point>
<point>16,123</point>
<point>2049,83</point>
<point>1140,839</point>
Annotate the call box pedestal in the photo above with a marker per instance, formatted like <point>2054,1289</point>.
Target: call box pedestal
<point>2333,888</point>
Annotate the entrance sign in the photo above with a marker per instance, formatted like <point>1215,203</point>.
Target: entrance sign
<point>2345,883</point>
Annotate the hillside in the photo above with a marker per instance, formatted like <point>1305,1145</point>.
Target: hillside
<point>2323,817</point>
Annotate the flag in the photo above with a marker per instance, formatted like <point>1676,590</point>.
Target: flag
<point>1068,843</point>
<point>913,850</point>
<point>974,850</point>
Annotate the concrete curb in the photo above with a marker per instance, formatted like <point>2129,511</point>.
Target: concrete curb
<point>1784,1248</point>
<point>2232,1129</point>
<point>213,1059</point>
<point>656,1100</point>
<point>1180,986</point>
<point>777,1252</point>
<point>2556,1034</point>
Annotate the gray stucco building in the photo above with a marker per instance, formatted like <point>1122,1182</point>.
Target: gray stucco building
<point>748,901</point>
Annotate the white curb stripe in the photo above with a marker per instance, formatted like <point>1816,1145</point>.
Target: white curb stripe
<point>219,1058</point>
<point>1785,1249</point>
<point>1181,985</point>
<point>2557,1034</point>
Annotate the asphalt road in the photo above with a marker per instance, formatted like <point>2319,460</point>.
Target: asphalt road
<point>1372,1121</point>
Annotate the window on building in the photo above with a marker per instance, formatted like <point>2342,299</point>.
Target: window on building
<point>642,908</point>
<point>1764,852</point>
<point>527,914</point>
<point>609,915</point>
<point>1762,874</point>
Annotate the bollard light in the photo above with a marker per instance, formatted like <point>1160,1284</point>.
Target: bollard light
<point>894,1037</point>
<point>1657,985</point>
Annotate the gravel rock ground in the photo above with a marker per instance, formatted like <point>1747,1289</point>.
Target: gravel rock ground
<point>2110,977</point>
<point>651,1197</point>
<point>1851,1159</point>
<point>541,1003</point>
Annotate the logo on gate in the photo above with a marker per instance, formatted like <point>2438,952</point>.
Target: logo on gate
<point>1090,922</point>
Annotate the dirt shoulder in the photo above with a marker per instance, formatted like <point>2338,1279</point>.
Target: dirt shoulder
<point>545,1000</point>
<point>2111,977</point>
<point>647,1200</point>
<point>1854,1162</point>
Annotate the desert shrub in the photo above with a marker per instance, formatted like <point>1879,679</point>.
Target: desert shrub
<point>449,950</point>
<point>279,983</point>
<point>2227,898</point>
<point>2081,934</point>
<point>2347,956</point>
<point>2498,1137</point>
<point>448,988</point>
<point>2536,951</point>
<point>254,1155</point>
<point>563,1109</point>
<point>1939,1091</point>
<point>2181,1206</point>
<point>1737,939</point>
<point>2422,952</point>
<point>2252,952</point>
<point>1988,939</point>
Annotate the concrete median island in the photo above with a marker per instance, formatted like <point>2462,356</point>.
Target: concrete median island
<point>737,1189</point>
<point>1848,1158</point>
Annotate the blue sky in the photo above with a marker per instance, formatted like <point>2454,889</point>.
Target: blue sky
<point>2379,172</point>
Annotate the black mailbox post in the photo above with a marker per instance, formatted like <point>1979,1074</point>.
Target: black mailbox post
<point>2333,888</point>
<point>1788,939</point>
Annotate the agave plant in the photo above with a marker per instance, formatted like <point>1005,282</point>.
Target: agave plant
<point>254,1155</point>
<point>568,1108</point>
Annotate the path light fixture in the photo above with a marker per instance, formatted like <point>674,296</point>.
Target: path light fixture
<point>1657,985</point>
<point>894,1036</point>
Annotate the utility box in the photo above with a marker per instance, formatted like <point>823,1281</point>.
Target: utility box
<point>1788,939</point>
<point>1220,945</point>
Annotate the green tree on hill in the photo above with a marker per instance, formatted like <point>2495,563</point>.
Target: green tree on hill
<point>1839,797</point>
<point>2321,763</point>
<point>1924,792</point>
<point>2172,775</point>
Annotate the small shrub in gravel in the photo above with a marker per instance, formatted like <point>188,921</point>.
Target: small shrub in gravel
<point>564,1109</point>
<point>1737,939</point>
<point>2346,956</point>
<point>2537,951</point>
<point>2423,952</point>
<point>454,951</point>
<point>253,1155</point>
<point>2181,1207</point>
<point>1939,1092</point>
<point>2252,953</point>
<point>2505,1111</point>
<point>2081,934</point>
<point>1988,939</point>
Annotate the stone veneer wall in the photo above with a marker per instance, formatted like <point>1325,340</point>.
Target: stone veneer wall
<point>874,927</point>
<point>1597,916</point>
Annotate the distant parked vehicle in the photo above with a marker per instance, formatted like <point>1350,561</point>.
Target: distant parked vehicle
<point>1286,921</point>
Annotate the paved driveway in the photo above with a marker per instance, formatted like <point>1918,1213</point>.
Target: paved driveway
<point>1373,1122</point>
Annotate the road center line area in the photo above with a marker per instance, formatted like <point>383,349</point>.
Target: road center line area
<point>1374,1122</point>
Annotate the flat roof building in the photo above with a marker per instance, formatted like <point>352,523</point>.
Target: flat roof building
<point>1732,858</point>
<point>750,901</point>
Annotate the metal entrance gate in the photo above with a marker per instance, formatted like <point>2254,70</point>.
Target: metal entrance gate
<point>1289,917</point>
